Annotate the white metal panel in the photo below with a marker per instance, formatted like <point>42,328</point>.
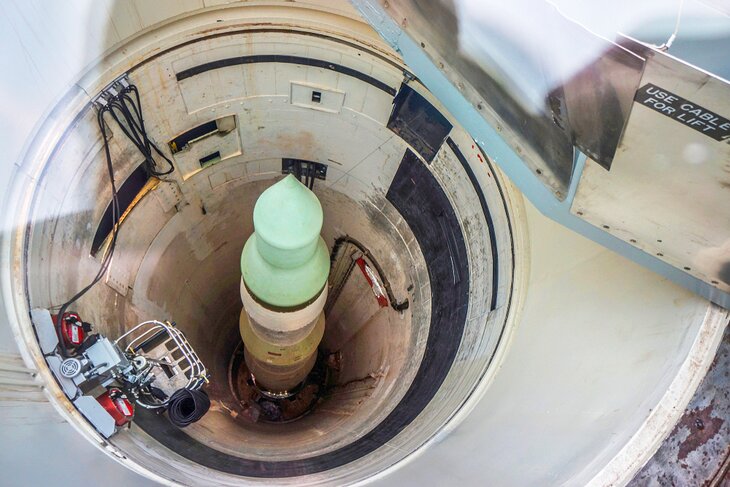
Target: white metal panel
<point>668,189</point>
<point>304,95</point>
<point>190,160</point>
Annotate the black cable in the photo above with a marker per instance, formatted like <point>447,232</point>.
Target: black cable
<point>130,111</point>
<point>345,239</point>
<point>106,259</point>
<point>186,407</point>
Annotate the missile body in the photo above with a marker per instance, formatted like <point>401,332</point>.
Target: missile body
<point>284,267</point>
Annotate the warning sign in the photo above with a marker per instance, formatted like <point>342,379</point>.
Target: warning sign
<point>684,111</point>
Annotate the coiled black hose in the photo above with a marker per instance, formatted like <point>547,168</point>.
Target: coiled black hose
<point>187,407</point>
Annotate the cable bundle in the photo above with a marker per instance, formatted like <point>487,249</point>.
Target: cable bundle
<point>187,406</point>
<point>106,259</point>
<point>122,107</point>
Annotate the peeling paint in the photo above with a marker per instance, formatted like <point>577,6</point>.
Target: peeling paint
<point>697,450</point>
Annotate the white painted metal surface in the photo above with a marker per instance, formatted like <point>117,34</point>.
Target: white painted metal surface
<point>600,95</point>
<point>668,188</point>
<point>585,378</point>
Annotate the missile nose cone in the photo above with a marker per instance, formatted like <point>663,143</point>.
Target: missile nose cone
<point>286,262</point>
<point>288,215</point>
<point>287,219</point>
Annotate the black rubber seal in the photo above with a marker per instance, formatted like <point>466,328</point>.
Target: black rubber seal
<point>415,120</point>
<point>487,215</point>
<point>280,58</point>
<point>127,193</point>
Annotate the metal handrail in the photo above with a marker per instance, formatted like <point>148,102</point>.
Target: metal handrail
<point>198,374</point>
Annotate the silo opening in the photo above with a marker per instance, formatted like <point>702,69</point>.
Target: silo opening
<point>368,350</point>
<point>416,225</point>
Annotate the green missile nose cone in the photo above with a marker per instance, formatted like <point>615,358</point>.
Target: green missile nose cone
<point>287,219</point>
<point>285,262</point>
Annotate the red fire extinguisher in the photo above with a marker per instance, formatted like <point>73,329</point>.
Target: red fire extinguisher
<point>72,329</point>
<point>115,402</point>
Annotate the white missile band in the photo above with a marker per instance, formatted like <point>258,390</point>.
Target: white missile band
<point>282,321</point>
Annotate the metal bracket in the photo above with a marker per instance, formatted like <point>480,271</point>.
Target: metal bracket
<point>111,90</point>
<point>304,169</point>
